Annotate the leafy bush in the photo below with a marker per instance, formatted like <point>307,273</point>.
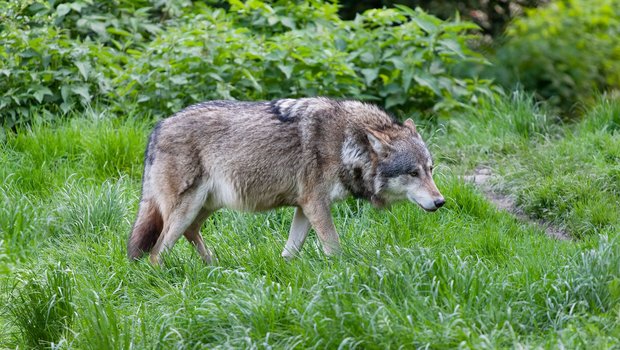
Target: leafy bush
<point>565,51</point>
<point>400,57</point>
<point>161,56</point>
<point>40,66</point>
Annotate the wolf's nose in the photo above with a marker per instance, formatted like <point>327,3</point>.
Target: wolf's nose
<point>440,202</point>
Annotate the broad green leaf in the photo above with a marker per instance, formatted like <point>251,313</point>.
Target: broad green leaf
<point>398,62</point>
<point>427,81</point>
<point>66,107</point>
<point>62,10</point>
<point>65,92</point>
<point>288,22</point>
<point>81,90</point>
<point>77,6</point>
<point>406,9</point>
<point>28,53</point>
<point>272,20</point>
<point>151,28</point>
<point>367,57</point>
<point>340,44</point>
<point>118,31</point>
<point>453,46</point>
<point>249,75</point>
<point>384,78</point>
<point>179,79</point>
<point>426,25</point>
<point>459,26</point>
<point>39,92</point>
<point>287,70</point>
<point>99,28</point>
<point>395,100</point>
<point>84,67</point>
<point>215,77</point>
<point>370,74</point>
<point>408,73</point>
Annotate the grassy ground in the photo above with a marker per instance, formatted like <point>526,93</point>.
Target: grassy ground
<point>466,276</point>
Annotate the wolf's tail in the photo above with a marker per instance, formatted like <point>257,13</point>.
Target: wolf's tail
<point>146,230</point>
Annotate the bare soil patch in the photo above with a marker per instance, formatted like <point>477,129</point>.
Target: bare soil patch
<point>480,178</point>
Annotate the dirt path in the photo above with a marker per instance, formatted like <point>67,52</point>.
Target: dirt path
<point>481,178</point>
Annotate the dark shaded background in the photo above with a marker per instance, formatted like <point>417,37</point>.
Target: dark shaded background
<point>491,15</point>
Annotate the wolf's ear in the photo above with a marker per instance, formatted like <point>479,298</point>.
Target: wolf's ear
<point>377,145</point>
<point>409,123</point>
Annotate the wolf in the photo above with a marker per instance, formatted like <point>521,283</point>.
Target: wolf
<point>255,156</point>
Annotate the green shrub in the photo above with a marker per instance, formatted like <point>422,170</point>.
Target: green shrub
<point>565,51</point>
<point>158,57</point>
<point>401,57</point>
<point>42,69</point>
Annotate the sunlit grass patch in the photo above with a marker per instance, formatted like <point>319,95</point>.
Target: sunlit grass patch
<point>572,182</point>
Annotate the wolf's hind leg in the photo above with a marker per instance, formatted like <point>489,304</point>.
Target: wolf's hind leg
<point>178,221</point>
<point>195,238</point>
<point>320,217</point>
<point>297,235</point>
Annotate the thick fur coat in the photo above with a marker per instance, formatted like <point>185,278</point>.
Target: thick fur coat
<point>255,156</point>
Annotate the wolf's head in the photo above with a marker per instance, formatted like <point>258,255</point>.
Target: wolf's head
<point>404,168</point>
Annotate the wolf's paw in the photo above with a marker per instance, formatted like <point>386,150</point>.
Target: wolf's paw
<point>289,255</point>
<point>332,250</point>
<point>209,258</point>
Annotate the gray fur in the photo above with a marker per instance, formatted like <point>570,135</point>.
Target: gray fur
<point>255,156</point>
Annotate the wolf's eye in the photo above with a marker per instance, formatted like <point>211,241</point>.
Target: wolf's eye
<point>414,173</point>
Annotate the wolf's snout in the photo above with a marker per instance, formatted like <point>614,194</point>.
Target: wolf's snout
<point>440,202</point>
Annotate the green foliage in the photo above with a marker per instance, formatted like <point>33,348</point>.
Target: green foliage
<point>39,67</point>
<point>62,56</point>
<point>400,57</point>
<point>161,56</point>
<point>565,51</point>
<point>491,15</point>
<point>117,23</point>
<point>467,276</point>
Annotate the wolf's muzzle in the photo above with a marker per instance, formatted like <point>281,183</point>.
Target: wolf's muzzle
<point>440,202</point>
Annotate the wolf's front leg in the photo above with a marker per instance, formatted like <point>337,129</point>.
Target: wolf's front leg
<point>320,217</point>
<point>297,235</point>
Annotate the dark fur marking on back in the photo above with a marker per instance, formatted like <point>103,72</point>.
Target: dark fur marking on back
<point>283,115</point>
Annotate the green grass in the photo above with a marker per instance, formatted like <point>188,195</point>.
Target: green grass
<point>467,276</point>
